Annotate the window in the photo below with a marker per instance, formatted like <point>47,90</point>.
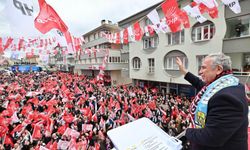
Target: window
<point>106,31</point>
<point>106,45</point>
<point>151,65</point>
<point>203,31</point>
<point>246,61</point>
<point>199,61</point>
<point>170,62</point>
<point>150,42</point>
<point>96,35</point>
<point>86,39</point>
<point>238,27</point>
<point>125,46</point>
<point>148,22</point>
<point>136,63</point>
<point>176,38</point>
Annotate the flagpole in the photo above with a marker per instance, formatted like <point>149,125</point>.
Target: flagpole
<point>66,61</point>
<point>4,139</point>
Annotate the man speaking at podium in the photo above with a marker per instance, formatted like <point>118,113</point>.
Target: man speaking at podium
<point>219,110</point>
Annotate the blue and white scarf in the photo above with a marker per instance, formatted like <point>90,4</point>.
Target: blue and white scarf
<point>200,111</point>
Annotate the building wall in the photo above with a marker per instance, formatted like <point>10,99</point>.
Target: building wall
<point>237,59</point>
<point>190,48</point>
<point>233,42</point>
<point>245,9</point>
<point>117,79</point>
<point>94,40</point>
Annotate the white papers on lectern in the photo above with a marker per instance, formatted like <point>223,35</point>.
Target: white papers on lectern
<point>142,134</point>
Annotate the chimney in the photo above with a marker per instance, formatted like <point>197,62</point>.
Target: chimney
<point>103,21</point>
<point>110,22</point>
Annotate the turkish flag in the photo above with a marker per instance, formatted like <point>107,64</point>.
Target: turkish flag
<point>77,90</point>
<point>152,105</point>
<point>213,12</point>
<point>3,130</point>
<point>48,19</point>
<point>62,129</point>
<point>37,132</point>
<point>8,140</point>
<point>8,43</point>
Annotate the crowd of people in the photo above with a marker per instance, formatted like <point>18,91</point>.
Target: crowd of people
<point>66,111</point>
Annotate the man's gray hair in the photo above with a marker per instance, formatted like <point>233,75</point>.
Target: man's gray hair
<point>222,60</point>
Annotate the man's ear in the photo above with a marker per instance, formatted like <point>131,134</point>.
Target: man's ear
<point>219,69</point>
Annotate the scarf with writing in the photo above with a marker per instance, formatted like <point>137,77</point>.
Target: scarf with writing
<point>198,107</point>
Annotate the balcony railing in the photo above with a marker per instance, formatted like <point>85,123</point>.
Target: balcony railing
<point>241,73</point>
<point>244,77</point>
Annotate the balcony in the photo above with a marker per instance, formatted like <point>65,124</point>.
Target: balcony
<point>112,52</point>
<point>109,66</point>
<point>125,56</point>
<point>236,44</point>
<point>244,77</point>
<point>95,42</point>
<point>124,51</point>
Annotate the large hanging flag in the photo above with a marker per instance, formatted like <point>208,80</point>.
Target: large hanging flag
<point>48,19</point>
<point>171,12</point>
<point>20,17</point>
<point>233,5</point>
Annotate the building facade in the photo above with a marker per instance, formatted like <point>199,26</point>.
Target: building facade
<point>152,60</point>
<point>88,61</point>
<point>61,61</point>
<point>237,40</point>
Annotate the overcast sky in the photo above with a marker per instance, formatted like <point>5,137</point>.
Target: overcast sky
<point>82,16</point>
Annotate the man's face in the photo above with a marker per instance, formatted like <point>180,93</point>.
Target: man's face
<point>208,72</point>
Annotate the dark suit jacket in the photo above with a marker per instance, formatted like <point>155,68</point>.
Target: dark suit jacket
<point>226,122</point>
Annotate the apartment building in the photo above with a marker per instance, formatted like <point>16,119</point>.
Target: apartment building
<point>88,62</point>
<point>152,60</point>
<point>237,40</point>
<point>62,61</point>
